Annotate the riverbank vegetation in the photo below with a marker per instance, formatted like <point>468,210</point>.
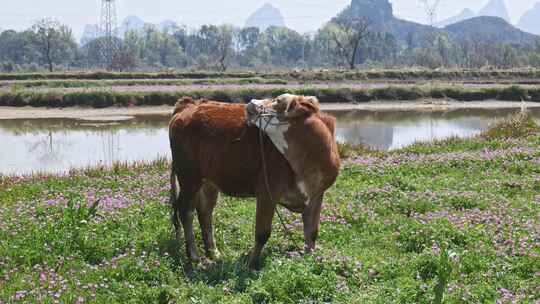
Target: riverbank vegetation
<point>135,82</point>
<point>300,75</point>
<point>455,218</point>
<point>343,94</point>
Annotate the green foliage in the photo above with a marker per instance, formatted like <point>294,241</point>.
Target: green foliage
<point>348,150</point>
<point>444,270</point>
<point>354,38</point>
<point>518,125</point>
<point>415,237</point>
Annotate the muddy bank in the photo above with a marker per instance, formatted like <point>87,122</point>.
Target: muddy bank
<point>123,113</point>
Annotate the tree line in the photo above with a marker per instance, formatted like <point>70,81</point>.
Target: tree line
<point>349,43</point>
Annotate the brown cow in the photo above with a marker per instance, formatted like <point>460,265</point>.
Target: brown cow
<point>214,149</point>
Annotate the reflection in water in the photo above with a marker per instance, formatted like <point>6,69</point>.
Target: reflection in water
<point>110,145</point>
<point>397,129</point>
<point>47,148</point>
<point>59,144</point>
<point>51,145</point>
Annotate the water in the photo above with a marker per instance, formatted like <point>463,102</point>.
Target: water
<point>53,145</point>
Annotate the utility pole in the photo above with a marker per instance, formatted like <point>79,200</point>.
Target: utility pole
<point>108,47</point>
<point>431,10</point>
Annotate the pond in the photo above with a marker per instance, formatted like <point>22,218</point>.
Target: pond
<point>54,145</point>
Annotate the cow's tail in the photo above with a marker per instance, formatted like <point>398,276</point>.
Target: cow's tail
<point>174,200</point>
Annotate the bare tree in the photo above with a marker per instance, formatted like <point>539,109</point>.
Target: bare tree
<point>123,61</point>
<point>46,31</point>
<point>225,40</point>
<point>347,33</point>
<point>54,40</point>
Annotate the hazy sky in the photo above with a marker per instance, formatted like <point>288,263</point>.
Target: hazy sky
<point>303,15</point>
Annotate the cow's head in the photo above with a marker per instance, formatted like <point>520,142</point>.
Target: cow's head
<point>278,111</point>
<point>292,106</point>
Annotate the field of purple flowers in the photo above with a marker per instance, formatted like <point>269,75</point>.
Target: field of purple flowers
<point>456,221</point>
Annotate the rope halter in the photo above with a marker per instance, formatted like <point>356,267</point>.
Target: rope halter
<point>262,116</point>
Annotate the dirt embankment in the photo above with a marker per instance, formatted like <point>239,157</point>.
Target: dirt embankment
<point>122,113</point>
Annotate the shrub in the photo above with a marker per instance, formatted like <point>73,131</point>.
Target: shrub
<point>518,125</point>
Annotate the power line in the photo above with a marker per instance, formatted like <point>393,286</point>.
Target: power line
<point>108,46</point>
<point>431,10</point>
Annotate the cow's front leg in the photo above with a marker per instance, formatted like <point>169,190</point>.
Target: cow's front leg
<point>311,218</point>
<point>263,229</point>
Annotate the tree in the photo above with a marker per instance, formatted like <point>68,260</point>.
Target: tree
<point>123,61</point>
<point>15,47</point>
<point>225,39</point>
<point>285,45</point>
<point>347,33</point>
<point>249,40</point>
<point>54,41</point>
<point>155,48</point>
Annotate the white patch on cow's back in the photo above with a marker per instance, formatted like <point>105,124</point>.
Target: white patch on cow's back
<point>276,132</point>
<point>271,125</point>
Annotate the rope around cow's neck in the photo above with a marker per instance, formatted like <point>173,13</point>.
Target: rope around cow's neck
<point>286,231</point>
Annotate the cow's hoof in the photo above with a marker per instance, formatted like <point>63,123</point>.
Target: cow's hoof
<point>309,249</point>
<point>254,263</point>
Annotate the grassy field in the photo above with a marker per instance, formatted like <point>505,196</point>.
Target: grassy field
<point>457,219</point>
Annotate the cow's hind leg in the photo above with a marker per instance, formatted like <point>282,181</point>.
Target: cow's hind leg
<point>263,229</point>
<point>207,199</point>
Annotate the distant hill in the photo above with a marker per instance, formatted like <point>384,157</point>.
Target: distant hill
<point>495,8</point>
<point>483,28</point>
<point>265,17</point>
<point>489,29</point>
<point>381,16</point>
<point>464,15</point>
<point>530,21</point>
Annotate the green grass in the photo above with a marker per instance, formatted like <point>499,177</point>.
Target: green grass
<point>20,97</point>
<point>456,219</point>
